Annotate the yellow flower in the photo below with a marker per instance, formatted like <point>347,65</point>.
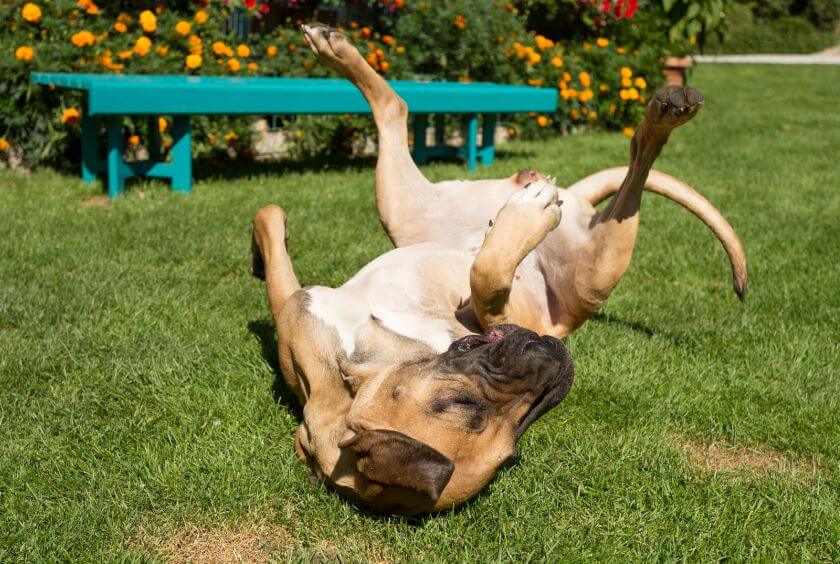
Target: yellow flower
<point>585,96</point>
<point>231,137</point>
<point>148,21</point>
<point>602,42</point>
<point>573,113</point>
<point>193,61</point>
<point>70,116</point>
<point>143,45</point>
<point>628,131</point>
<point>633,94</point>
<point>243,51</point>
<point>4,145</point>
<point>163,50</point>
<point>183,28</point>
<point>120,27</point>
<point>534,57</point>
<point>271,51</point>
<point>82,38</point>
<point>31,12</point>
<point>542,121</point>
<point>134,140</point>
<point>212,138</point>
<point>585,79</point>
<point>252,67</point>
<point>233,65</point>
<point>201,17</point>
<point>624,94</point>
<point>162,124</point>
<point>566,77</point>
<point>620,50</point>
<point>641,83</point>
<point>221,49</point>
<point>543,42</point>
<point>613,107</point>
<point>25,53</point>
<point>122,17</point>
<point>626,82</point>
<point>626,72</point>
<point>557,62</point>
<point>124,54</point>
<point>400,49</point>
<point>535,81</point>
<point>593,116</point>
<point>196,48</point>
<point>88,6</point>
<point>603,87</point>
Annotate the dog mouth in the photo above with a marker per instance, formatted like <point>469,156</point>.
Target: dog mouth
<point>525,339</point>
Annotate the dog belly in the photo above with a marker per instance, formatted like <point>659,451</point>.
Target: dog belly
<point>412,291</point>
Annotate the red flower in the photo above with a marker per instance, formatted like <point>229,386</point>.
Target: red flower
<point>250,3</point>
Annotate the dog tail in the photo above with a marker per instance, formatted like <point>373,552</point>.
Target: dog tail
<point>597,187</point>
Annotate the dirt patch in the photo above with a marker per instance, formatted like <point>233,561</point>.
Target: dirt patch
<point>100,201</point>
<point>241,543</point>
<point>723,457</point>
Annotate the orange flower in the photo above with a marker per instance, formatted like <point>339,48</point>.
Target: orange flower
<point>148,21</point>
<point>640,83</point>
<point>193,61</point>
<point>633,94</point>
<point>292,47</point>
<point>82,38</point>
<point>557,62</point>
<point>183,28</point>
<point>4,145</point>
<point>626,82</point>
<point>25,53</point>
<point>533,58</point>
<point>142,45</point>
<point>195,45</point>
<point>400,49</point>
<point>233,65</point>
<point>585,95</point>
<point>231,137</point>
<point>624,94</point>
<point>201,17</point>
<point>585,79</point>
<point>243,51</point>
<point>124,18</point>
<point>593,116</point>
<point>252,67</point>
<point>626,72</point>
<point>602,42</point>
<point>460,22</point>
<point>535,81</point>
<point>543,42</point>
<point>124,54</point>
<point>163,50</point>
<point>88,6</point>
<point>542,121</point>
<point>573,113</point>
<point>384,66</point>
<point>31,12</point>
<point>71,117</point>
<point>162,124</point>
<point>628,131</point>
<point>134,140</point>
<point>603,87</point>
<point>365,32</point>
<point>511,132</point>
<point>120,27</point>
<point>388,40</point>
<point>620,50</point>
<point>567,77</point>
<point>271,51</point>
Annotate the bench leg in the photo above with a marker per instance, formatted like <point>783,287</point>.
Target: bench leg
<point>116,180</point>
<point>91,163</point>
<point>488,135</point>
<point>153,138</point>
<point>181,154</point>
<point>471,140</point>
<point>440,129</point>
<point>421,122</point>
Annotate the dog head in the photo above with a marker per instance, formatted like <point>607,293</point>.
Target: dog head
<point>432,432</point>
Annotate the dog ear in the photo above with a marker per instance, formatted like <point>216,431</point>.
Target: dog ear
<point>394,459</point>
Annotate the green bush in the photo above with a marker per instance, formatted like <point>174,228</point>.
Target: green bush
<point>603,72</point>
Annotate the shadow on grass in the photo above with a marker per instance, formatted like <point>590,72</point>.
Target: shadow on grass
<point>264,331</point>
<point>637,327</point>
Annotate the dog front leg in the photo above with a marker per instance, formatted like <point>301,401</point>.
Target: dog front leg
<point>524,221</point>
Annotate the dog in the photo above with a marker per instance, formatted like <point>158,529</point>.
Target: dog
<point>418,375</point>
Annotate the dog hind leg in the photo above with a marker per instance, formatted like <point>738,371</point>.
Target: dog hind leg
<point>400,185</point>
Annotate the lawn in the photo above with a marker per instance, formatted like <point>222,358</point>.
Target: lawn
<point>141,413</point>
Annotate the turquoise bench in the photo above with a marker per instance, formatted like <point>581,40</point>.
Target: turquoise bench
<point>112,97</point>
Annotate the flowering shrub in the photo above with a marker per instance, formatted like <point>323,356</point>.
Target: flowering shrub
<point>603,75</point>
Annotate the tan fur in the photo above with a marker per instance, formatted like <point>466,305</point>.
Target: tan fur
<point>358,356</point>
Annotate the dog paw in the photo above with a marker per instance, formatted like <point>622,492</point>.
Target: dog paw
<point>332,48</point>
<point>528,216</point>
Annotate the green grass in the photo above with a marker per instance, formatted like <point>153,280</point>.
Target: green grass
<point>138,398</point>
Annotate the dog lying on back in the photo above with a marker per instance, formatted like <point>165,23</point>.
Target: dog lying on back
<point>420,373</point>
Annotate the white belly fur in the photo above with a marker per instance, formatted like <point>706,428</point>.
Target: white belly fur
<point>411,291</point>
